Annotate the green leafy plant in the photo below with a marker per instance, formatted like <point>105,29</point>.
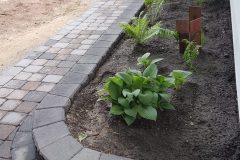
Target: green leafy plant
<point>154,9</point>
<point>191,53</point>
<point>167,33</point>
<point>139,30</point>
<point>179,78</point>
<point>199,2</point>
<point>135,94</point>
<point>145,61</point>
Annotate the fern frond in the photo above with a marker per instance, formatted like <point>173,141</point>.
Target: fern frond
<point>191,53</point>
<point>167,33</point>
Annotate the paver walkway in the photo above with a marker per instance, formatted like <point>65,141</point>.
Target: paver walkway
<point>51,70</point>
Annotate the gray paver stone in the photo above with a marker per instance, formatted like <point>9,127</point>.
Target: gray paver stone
<point>23,76</point>
<point>48,56</point>
<point>97,51</point>
<point>90,59</point>
<point>2,101</point>
<point>102,44</point>
<point>13,118</point>
<point>84,68</point>
<point>24,63</point>
<point>33,68</point>
<point>34,55</point>
<point>5,149</point>
<point>66,64</point>
<point>48,116</point>
<point>48,134</point>
<point>17,94</point>
<point>10,105</point>
<point>36,77</point>
<point>21,139</point>
<point>26,152</point>
<point>66,90</point>
<point>62,149</point>
<point>26,107</point>
<point>6,130</point>
<point>87,154</point>
<point>4,92</point>
<point>46,87</point>
<point>79,51</point>
<point>52,63</point>
<point>15,84</point>
<point>61,45</point>
<point>53,50</point>
<point>110,38</point>
<point>52,78</point>
<point>13,71</point>
<point>53,101</point>
<point>31,86</point>
<point>5,79</point>
<point>2,113</point>
<point>27,125</point>
<point>50,42</point>
<point>35,96</point>
<point>74,78</point>
<point>39,62</point>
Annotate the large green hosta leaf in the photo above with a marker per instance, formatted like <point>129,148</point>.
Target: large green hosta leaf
<point>116,110</point>
<point>147,112</point>
<point>146,97</point>
<point>123,102</point>
<point>125,77</point>
<point>131,111</point>
<point>129,95</point>
<point>167,106</point>
<point>128,119</point>
<point>114,90</point>
<point>151,71</point>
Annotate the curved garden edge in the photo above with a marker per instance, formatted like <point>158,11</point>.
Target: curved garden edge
<point>51,135</point>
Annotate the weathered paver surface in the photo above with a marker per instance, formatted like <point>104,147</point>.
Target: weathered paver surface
<point>37,91</point>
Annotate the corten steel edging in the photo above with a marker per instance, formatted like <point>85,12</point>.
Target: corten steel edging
<point>235,15</point>
<point>190,29</point>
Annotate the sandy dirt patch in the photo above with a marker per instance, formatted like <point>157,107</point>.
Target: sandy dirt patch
<point>25,24</point>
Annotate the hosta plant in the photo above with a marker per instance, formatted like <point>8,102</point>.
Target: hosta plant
<point>135,94</point>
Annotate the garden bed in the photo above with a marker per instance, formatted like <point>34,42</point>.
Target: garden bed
<point>205,122</point>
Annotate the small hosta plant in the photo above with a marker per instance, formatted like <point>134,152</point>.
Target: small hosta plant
<point>135,94</point>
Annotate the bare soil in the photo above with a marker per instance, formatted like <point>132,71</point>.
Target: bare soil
<point>205,124</point>
<point>25,24</point>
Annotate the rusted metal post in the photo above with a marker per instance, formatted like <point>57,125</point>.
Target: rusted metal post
<point>195,24</point>
<point>182,27</point>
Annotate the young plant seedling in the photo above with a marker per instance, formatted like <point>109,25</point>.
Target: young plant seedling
<point>135,94</point>
<point>191,53</point>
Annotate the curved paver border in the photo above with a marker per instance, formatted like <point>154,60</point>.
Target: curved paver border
<point>51,135</point>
